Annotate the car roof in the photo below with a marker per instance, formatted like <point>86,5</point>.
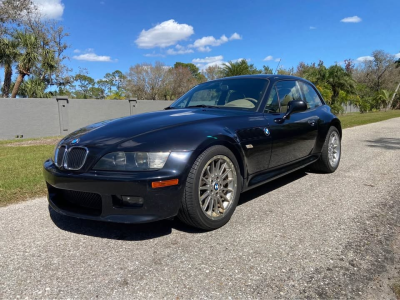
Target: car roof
<point>266,76</point>
<point>271,77</point>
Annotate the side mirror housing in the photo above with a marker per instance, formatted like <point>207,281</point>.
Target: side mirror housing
<point>295,106</point>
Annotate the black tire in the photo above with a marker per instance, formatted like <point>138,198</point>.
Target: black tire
<point>191,212</point>
<point>323,165</point>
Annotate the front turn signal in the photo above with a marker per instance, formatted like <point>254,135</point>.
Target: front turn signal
<point>164,183</point>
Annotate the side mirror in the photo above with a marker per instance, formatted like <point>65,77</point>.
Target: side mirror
<point>295,106</point>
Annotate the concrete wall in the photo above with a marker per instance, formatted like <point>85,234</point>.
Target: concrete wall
<point>52,117</point>
<point>348,108</point>
<point>28,117</point>
<point>33,118</point>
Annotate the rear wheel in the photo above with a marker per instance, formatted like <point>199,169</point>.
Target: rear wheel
<point>330,154</point>
<point>212,189</point>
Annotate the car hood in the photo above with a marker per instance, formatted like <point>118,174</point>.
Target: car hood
<point>115,131</point>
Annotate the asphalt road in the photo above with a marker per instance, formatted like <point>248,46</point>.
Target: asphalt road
<point>303,236</point>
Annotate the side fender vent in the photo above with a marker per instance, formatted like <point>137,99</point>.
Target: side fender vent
<point>250,134</point>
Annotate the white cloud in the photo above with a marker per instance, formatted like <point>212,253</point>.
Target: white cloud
<point>364,58</point>
<point>77,51</point>
<point>204,63</point>
<point>278,59</point>
<point>203,44</point>
<point>154,55</point>
<point>50,9</point>
<point>397,55</point>
<point>354,19</point>
<point>179,51</point>
<point>235,36</point>
<point>269,57</point>
<point>239,59</point>
<point>209,41</point>
<point>312,27</point>
<point>204,49</point>
<point>91,56</point>
<point>208,59</point>
<point>164,34</point>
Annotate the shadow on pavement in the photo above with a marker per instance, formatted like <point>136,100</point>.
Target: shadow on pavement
<point>385,143</point>
<point>139,232</point>
<point>269,187</point>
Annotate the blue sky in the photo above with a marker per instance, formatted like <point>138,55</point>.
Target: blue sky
<point>106,35</point>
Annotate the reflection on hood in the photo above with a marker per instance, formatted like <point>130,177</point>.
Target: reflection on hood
<point>89,128</point>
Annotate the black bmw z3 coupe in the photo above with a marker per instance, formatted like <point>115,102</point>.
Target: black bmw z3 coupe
<point>194,159</point>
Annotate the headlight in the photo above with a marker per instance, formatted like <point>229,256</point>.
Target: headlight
<point>132,161</point>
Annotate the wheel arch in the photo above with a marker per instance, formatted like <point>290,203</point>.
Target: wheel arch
<point>229,143</point>
<point>336,123</point>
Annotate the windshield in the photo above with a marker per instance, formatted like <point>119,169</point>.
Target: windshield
<point>243,93</point>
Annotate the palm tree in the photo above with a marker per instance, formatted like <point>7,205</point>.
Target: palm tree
<point>339,80</point>
<point>27,58</point>
<point>48,65</point>
<point>235,68</point>
<point>8,56</point>
<point>33,88</point>
<point>384,98</point>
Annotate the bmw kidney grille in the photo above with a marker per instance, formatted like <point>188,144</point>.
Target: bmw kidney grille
<point>71,158</point>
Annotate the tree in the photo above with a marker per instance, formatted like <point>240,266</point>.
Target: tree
<point>15,12</point>
<point>117,95</point>
<point>283,71</point>
<point>253,69</point>
<point>378,73</point>
<point>349,65</point>
<point>85,83</point>
<point>267,70</point>
<point>146,81</point>
<point>191,67</point>
<point>8,56</point>
<point>53,70</point>
<point>339,80</point>
<point>114,79</point>
<point>27,58</point>
<point>212,72</point>
<point>105,85</point>
<point>384,97</point>
<point>96,92</point>
<point>179,82</point>
<point>33,88</point>
<point>237,68</point>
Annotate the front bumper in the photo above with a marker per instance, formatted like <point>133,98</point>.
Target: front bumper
<point>97,195</point>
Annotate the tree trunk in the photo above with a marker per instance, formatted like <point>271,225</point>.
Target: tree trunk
<point>18,82</point>
<point>394,95</point>
<point>7,81</point>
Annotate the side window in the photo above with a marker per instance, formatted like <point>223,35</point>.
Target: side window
<point>272,102</point>
<point>311,95</point>
<point>287,90</point>
<point>183,103</point>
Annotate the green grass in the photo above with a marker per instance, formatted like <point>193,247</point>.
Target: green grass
<point>21,166</point>
<point>356,119</point>
<point>21,171</point>
<point>396,289</point>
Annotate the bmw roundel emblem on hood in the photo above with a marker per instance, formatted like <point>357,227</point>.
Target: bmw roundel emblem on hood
<point>266,131</point>
<point>75,141</point>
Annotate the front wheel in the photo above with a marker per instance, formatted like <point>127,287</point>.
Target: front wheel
<point>330,154</point>
<point>212,189</point>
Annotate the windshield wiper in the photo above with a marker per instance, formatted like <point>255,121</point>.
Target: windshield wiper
<point>203,106</point>
<point>169,107</point>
